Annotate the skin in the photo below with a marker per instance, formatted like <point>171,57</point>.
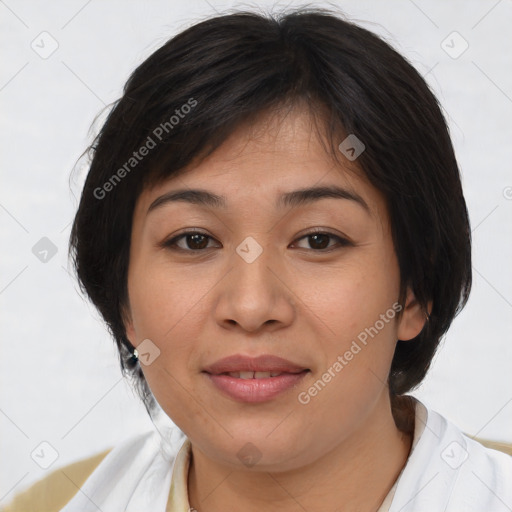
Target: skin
<point>296,301</point>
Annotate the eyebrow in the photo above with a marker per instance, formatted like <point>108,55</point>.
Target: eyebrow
<point>288,199</point>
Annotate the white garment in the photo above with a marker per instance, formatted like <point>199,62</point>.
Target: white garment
<point>445,472</point>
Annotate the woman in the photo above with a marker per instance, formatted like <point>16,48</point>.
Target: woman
<point>274,230</point>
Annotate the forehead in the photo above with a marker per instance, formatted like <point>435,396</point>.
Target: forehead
<point>268,157</point>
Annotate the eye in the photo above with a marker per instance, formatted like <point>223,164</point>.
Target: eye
<point>320,241</point>
<point>191,241</point>
<point>197,241</point>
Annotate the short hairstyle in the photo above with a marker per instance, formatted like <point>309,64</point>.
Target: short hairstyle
<point>191,94</point>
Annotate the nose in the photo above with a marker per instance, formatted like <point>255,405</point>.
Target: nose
<point>255,295</point>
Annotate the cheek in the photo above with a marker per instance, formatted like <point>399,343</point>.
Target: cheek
<point>169,308</point>
<point>168,311</point>
<point>161,299</point>
<point>357,320</point>
<point>351,298</point>
<point>356,362</point>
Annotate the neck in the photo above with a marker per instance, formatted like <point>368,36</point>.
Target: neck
<point>376,453</point>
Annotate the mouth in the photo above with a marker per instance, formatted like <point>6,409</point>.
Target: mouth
<point>248,367</point>
<point>254,379</point>
<point>255,387</point>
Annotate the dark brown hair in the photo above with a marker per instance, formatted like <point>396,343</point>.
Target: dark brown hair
<point>194,91</point>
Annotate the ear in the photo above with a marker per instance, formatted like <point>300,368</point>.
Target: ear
<point>130,333</point>
<point>128,325</point>
<point>413,318</point>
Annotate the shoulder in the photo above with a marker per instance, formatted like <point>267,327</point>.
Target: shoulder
<point>485,471</point>
<point>448,470</point>
<point>52,492</point>
<point>496,445</point>
<point>480,477</point>
<point>464,448</point>
<point>135,473</point>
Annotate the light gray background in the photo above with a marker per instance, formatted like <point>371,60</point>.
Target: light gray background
<point>60,379</point>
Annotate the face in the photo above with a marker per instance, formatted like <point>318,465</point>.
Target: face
<point>263,270</point>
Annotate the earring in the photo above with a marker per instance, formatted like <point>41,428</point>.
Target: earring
<point>134,357</point>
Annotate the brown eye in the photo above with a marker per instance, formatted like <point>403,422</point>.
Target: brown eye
<point>322,241</point>
<point>319,241</point>
<point>196,241</point>
<point>190,242</point>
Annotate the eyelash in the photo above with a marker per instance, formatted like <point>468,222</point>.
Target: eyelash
<point>171,244</point>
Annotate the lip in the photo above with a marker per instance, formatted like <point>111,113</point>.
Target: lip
<point>263,363</point>
<point>254,390</point>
